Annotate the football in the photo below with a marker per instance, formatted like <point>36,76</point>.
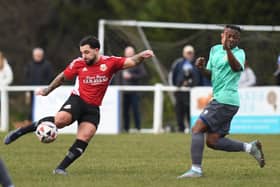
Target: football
<point>46,132</point>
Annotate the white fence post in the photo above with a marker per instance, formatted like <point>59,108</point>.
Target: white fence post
<point>158,107</point>
<point>4,110</point>
<point>101,34</point>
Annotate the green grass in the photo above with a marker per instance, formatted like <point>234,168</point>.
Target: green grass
<point>137,160</point>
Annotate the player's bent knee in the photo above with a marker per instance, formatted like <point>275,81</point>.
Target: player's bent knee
<point>62,119</point>
<point>86,131</point>
<point>199,127</point>
<point>212,140</point>
<point>211,144</point>
<point>195,130</point>
<point>85,136</point>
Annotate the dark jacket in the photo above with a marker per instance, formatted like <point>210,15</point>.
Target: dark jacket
<point>138,72</point>
<point>184,73</point>
<point>38,73</point>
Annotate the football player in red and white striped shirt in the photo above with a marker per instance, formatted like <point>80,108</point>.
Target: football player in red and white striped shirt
<point>93,73</point>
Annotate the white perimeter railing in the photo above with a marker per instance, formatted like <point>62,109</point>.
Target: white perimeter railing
<point>158,90</point>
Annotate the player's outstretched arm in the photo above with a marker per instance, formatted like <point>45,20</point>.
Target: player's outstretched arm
<point>59,79</point>
<point>137,59</point>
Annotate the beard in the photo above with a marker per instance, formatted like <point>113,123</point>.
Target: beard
<point>89,62</point>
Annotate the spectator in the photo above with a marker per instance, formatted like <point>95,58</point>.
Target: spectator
<point>38,72</point>
<point>131,99</point>
<point>6,74</point>
<point>277,72</point>
<point>184,73</point>
<point>247,77</point>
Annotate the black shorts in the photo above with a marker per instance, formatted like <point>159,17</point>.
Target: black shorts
<point>218,116</point>
<point>81,111</point>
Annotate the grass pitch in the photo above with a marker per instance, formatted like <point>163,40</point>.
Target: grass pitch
<point>137,160</point>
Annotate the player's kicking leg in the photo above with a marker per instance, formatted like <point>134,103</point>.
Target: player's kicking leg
<point>15,134</point>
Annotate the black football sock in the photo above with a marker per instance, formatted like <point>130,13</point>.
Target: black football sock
<point>75,151</point>
<point>5,179</point>
<point>34,125</point>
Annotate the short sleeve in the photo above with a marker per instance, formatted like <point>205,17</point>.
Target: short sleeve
<point>240,57</point>
<point>118,63</point>
<point>209,63</point>
<point>71,70</point>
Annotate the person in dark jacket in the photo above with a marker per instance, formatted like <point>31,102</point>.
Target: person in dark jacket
<point>37,72</point>
<point>131,99</point>
<point>184,74</point>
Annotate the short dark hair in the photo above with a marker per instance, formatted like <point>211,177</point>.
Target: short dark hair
<point>234,27</point>
<point>92,41</point>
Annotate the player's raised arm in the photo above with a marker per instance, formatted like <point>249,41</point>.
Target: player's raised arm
<point>59,79</point>
<point>137,59</point>
<point>229,41</point>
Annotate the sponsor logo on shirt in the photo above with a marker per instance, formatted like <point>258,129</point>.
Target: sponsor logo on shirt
<point>103,67</point>
<point>84,69</point>
<point>94,80</point>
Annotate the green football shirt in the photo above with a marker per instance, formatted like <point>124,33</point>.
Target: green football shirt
<point>224,79</point>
